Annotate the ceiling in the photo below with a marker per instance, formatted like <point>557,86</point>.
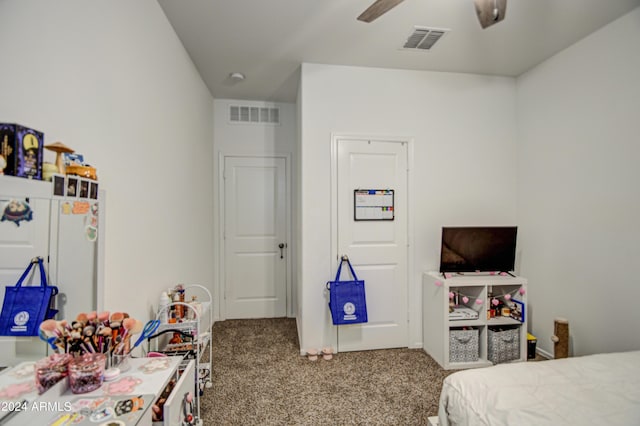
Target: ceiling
<point>267,40</point>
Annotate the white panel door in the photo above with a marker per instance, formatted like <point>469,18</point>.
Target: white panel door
<point>18,245</point>
<point>254,231</point>
<point>377,248</point>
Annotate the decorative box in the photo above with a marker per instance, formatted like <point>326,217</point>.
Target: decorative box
<point>517,310</point>
<point>503,345</point>
<point>463,345</point>
<point>22,149</point>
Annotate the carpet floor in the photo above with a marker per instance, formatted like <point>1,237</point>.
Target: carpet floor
<point>259,378</point>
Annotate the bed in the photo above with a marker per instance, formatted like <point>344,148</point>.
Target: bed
<point>602,389</point>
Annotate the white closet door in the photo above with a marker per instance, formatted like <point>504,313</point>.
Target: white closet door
<point>255,228</point>
<point>18,245</point>
<point>377,248</point>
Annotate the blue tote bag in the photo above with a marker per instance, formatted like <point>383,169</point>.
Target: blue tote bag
<point>25,307</point>
<point>347,300</point>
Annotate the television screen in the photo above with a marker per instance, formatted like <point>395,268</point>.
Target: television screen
<point>481,249</point>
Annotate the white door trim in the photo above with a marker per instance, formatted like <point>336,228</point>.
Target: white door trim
<point>219,290</point>
<point>414,313</point>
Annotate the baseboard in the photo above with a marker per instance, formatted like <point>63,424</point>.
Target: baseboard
<point>544,353</point>
<point>416,345</point>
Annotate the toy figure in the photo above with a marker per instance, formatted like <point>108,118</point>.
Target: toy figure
<point>176,338</point>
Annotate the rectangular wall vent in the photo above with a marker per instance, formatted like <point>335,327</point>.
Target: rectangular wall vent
<point>254,115</point>
<point>424,38</point>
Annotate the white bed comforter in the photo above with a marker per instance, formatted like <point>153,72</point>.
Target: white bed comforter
<point>602,389</point>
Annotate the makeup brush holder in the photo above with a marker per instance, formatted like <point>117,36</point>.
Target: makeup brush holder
<point>120,361</point>
<point>51,370</point>
<point>86,372</point>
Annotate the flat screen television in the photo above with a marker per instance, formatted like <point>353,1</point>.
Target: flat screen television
<point>478,249</point>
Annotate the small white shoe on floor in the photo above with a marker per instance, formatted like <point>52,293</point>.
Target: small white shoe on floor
<point>327,354</point>
<point>312,354</point>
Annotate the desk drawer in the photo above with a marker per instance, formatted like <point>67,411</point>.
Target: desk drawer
<point>173,412</point>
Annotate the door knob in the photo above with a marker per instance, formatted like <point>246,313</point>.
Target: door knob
<point>282,246</point>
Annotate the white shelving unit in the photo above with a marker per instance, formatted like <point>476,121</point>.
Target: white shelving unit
<point>199,328</point>
<point>437,324</point>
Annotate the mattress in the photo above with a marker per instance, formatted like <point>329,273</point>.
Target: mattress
<point>601,389</point>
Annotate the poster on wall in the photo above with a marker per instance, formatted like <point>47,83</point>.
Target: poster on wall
<point>373,204</point>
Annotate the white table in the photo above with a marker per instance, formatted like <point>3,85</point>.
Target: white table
<point>125,400</point>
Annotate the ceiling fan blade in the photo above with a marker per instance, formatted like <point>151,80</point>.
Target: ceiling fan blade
<point>490,11</point>
<point>377,9</point>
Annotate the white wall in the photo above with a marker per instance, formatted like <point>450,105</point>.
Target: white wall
<point>297,189</point>
<point>463,127</point>
<point>243,139</point>
<point>579,203</point>
<point>111,79</point>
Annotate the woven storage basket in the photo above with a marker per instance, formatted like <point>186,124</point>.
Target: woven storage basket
<point>463,345</point>
<point>503,345</point>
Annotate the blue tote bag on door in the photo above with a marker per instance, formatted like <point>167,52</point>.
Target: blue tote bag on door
<point>25,307</point>
<point>347,300</point>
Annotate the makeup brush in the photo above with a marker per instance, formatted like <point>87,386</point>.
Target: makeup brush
<point>105,331</point>
<point>65,326</point>
<point>127,324</point>
<point>44,336</point>
<point>105,335</point>
<point>88,332</point>
<point>130,327</point>
<point>103,317</point>
<point>91,316</point>
<point>82,318</point>
<point>138,328</point>
<point>75,343</point>
<point>115,321</point>
<point>49,341</point>
<point>66,331</point>
<point>50,327</point>
<point>60,326</point>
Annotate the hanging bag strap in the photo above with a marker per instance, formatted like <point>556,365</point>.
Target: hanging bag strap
<point>43,276</point>
<point>353,273</point>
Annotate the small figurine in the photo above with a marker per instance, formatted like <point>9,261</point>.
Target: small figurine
<point>176,338</point>
<point>59,148</point>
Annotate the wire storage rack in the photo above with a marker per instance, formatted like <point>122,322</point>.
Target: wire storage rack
<point>190,337</point>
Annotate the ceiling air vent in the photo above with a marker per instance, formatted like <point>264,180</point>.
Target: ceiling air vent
<point>423,38</point>
<point>254,115</point>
